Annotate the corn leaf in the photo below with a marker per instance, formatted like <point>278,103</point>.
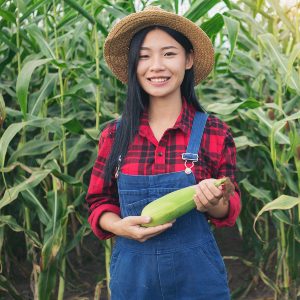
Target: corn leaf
<point>34,147</point>
<point>2,111</point>
<point>292,57</point>
<point>74,126</point>
<point>275,130</point>
<point>229,108</point>
<point>12,193</point>
<point>257,193</point>
<point>12,223</point>
<point>199,8</point>
<point>46,89</point>
<point>6,285</point>
<point>81,10</point>
<point>242,15</point>
<point>66,178</point>
<point>51,248</point>
<point>24,79</point>
<point>46,283</point>
<point>8,135</point>
<point>213,26</point>
<point>259,4</point>
<point>80,145</point>
<point>21,5</point>
<point>36,33</point>
<point>7,15</point>
<point>270,45</point>
<point>279,137</point>
<point>280,12</point>
<point>283,202</point>
<point>243,142</point>
<point>233,27</point>
<point>268,281</point>
<point>6,40</point>
<point>228,3</point>
<point>31,198</point>
<point>33,6</point>
<point>117,13</point>
<point>77,239</point>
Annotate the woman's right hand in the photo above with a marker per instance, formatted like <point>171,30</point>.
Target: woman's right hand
<point>130,227</point>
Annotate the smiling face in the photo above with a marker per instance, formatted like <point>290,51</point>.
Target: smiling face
<point>161,65</point>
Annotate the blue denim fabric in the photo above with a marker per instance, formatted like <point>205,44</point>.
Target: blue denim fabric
<point>183,262</point>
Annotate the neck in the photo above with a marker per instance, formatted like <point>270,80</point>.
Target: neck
<point>164,110</point>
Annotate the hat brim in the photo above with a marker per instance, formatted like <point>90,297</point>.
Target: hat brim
<point>116,46</point>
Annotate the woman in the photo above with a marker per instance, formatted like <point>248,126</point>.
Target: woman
<point>163,142</point>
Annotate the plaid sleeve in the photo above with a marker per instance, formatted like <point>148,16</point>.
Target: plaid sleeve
<point>227,168</point>
<point>102,197</point>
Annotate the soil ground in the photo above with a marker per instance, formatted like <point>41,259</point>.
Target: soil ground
<point>83,276</point>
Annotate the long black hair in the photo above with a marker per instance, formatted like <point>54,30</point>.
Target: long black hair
<point>138,100</point>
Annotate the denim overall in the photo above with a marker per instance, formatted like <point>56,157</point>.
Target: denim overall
<point>181,263</point>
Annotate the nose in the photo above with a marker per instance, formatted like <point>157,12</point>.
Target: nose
<point>157,64</point>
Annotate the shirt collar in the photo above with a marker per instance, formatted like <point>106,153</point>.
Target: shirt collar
<point>184,121</point>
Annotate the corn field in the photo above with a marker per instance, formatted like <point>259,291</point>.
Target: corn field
<point>57,94</point>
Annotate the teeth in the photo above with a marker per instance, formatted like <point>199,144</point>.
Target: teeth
<point>158,79</point>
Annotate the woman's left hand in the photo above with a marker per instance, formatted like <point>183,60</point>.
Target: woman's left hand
<point>207,195</point>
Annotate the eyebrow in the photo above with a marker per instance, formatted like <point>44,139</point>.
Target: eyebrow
<point>163,48</point>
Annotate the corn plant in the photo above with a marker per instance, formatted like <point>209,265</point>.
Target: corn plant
<point>258,95</point>
<point>56,95</point>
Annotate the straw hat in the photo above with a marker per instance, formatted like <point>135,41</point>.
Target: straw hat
<point>117,43</point>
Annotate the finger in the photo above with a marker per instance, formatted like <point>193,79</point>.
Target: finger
<point>201,201</point>
<point>137,220</point>
<point>216,191</point>
<point>207,188</point>
<point>144,233</point>
<point>160,230</point>
<point>199,205</point>
<point>205,197</point>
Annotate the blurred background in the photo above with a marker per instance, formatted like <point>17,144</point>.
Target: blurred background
<point>57,94</point>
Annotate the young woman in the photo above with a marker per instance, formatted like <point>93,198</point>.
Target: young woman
<point>163,142</point>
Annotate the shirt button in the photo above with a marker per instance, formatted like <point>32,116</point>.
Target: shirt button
<point>160,154</point>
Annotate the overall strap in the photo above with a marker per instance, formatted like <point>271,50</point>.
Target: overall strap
<point>192,149</point>
<point>120,156</point>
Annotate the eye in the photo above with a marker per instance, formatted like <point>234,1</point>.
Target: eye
<point>144,56</point>
<point>170,54</point>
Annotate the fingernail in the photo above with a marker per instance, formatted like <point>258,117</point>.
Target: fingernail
<point>147,219</point>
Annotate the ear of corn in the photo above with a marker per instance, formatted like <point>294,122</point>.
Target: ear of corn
<point>178,203</point>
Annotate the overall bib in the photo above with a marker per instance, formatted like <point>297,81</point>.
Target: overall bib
<point>181,263</point>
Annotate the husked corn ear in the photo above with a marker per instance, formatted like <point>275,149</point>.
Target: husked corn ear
<point>170,206</point>
<point>175,204</point>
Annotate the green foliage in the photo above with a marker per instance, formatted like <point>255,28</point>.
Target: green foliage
<point>264,68</point>
<point>56,94</point>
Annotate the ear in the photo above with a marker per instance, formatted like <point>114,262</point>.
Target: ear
<point>189,60</point>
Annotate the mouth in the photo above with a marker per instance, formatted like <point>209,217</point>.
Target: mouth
<point>158,80</point>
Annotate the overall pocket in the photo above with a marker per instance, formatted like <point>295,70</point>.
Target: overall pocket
<point>213,256</point>
<point>133,201</point>
<point>135,208</point>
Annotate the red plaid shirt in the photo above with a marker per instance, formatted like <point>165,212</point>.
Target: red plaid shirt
<point>147,156</point>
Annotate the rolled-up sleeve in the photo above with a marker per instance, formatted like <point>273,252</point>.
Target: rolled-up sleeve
<point>102,197</point>
<point>227,168</point>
